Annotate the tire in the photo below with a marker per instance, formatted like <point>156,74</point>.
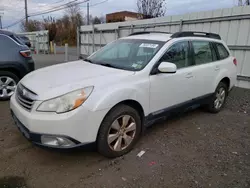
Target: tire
<point>119,114</point>
<point>14,80</point>
<point>212,105</point>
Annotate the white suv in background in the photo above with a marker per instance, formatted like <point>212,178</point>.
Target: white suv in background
<point>129,84</point>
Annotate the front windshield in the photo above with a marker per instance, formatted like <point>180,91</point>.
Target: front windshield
<point>127,54</point>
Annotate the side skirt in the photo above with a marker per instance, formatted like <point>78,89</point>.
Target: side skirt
<point>176,109</point>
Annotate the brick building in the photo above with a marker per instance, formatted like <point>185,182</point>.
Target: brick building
<point>123,16</point>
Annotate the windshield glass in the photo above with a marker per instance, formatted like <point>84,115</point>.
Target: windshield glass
<point>127,54</point>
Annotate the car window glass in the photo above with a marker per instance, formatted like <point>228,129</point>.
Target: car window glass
<point>202,52</point>
<point>17,39</point>
<point>7,42</point>
<point>223,53</point>
<point>121,51</point>
<point>128,54</point>
<point>177,54</point>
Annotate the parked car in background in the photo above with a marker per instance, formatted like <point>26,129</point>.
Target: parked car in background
<point>129,84</point>
<point>25,39</point>
<point>15,62</point>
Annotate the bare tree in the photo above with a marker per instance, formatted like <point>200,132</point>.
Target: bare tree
<point>243,2</point>
<point>32,25</point>
<point>151,8</point>
<point>50,24</point>
<point>74,12</point>
<point>75,17</point>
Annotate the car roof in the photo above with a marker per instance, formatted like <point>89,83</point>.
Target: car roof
<point>164,36</point>
<point>151,36</point>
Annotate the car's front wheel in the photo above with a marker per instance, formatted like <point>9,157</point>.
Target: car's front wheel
<point>119,131</point>
<point>8,83</point>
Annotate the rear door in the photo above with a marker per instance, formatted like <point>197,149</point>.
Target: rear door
<point>205,69</point>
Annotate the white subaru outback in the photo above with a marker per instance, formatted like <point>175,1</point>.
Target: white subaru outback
<point>111,96</point>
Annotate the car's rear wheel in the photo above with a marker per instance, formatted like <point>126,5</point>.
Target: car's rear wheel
<point>119,131</point>
<point>8,83</point>
<point>219,98</point>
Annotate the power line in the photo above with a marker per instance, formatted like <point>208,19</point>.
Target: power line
<point>96,3</point>
<point>54,10</point>
<point>48,11</point>
<point>15,23</point>
<point>60,7</point>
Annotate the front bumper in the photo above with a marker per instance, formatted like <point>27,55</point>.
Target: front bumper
<point>36,137</point>
<point>79,126</point>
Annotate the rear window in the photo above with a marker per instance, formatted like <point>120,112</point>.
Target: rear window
<point>203,52</point>
<point>222,51</point>
<point>17,39</point>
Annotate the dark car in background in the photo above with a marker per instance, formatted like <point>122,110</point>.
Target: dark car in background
<point>15,62</point>
<point>25,39</point>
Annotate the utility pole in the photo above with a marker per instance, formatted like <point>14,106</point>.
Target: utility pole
<point>1,13</point>
<point>87,13</point>
<point>26,12</point>
<point>1,27</point>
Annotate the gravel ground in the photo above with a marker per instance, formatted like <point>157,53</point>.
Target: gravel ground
<point>196,149</point>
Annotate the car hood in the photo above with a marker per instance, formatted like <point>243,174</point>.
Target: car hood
<point>59,79</point>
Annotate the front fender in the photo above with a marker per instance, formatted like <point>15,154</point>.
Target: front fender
<point>113,97</point>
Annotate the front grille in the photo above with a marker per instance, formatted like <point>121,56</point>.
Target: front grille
<point>25,97</point>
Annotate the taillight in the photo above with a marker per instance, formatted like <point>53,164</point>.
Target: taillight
<point>25,53</point>
<point>235,61</point>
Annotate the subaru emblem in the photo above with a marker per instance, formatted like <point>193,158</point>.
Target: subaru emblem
<point>24,92</point>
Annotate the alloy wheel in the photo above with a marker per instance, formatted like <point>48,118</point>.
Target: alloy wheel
<point>121,133</point>
<point>220,98</point>
<point>7,86</point>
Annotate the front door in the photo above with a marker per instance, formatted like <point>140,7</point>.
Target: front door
<point>172,89</point>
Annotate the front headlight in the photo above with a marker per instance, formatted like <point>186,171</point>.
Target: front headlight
<point>67,102</point>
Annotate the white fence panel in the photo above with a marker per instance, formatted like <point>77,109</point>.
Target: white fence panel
<point>232,24</point>
<point>39,40</point>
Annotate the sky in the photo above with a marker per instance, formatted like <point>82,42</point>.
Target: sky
<point>13,10</point>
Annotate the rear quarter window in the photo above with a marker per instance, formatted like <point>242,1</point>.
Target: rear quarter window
<point>17,39</point>
<point>7,42</point>
<point>222,51</point>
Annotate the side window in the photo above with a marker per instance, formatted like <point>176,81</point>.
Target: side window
<point>223,53</point>
<point>178,54</point>
<point>6,42</point>
<point>202,52</point>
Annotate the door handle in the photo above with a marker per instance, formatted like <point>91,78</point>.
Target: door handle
<point>217,68</point>
<point>189,75</point>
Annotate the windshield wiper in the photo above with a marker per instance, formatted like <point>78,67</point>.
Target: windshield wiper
<point>88,60</point>
<point>107,65</point>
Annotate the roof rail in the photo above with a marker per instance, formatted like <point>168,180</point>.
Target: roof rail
<point>195,34</point>
<point>148,32</point>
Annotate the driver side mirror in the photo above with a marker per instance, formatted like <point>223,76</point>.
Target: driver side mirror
<point>166,67</point>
